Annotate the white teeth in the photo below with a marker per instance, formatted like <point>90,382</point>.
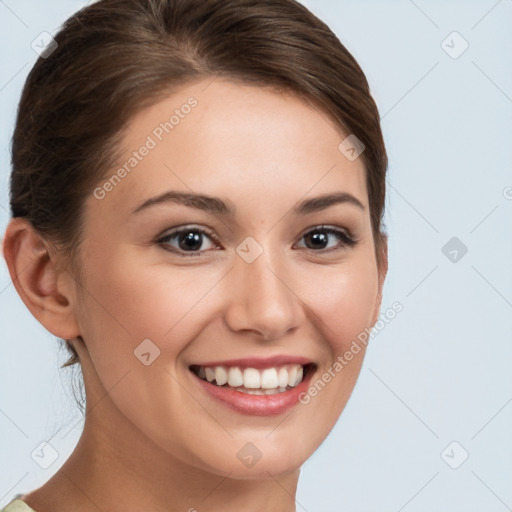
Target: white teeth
<point>252,378</point>
<point>282,377</point>
<point>235,377</point>
<point>268,381</point>
<point>210,374</point>
<point>221,375</point>
<point>292,376</point>
<point>269,378</point>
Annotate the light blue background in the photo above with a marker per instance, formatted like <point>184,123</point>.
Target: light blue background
<point>441,370</point>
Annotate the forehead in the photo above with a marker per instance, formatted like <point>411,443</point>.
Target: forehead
<point>232,140</point>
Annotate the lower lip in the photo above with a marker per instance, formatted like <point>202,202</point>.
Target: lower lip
<point>256,405</point>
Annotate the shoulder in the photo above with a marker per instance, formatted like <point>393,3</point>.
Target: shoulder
<point>17,505</point>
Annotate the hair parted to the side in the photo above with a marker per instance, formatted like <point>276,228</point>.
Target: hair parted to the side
<point>114,57</point>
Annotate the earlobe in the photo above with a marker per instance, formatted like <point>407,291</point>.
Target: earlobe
<point>44,288</point>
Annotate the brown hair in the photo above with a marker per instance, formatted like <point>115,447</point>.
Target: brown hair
<point>115,57</point>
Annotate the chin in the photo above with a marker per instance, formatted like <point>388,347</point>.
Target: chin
<point>261,458</point>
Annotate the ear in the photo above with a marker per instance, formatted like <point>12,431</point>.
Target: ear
<point>382,272</point>
<point>45,288</point>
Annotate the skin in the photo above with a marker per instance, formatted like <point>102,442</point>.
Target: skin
<point>153,440</point>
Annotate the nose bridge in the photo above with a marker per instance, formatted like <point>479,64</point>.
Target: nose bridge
<point>262,300</point>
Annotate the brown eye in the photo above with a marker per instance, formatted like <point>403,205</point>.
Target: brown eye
<point>187,240</point>
<point>320,237</point>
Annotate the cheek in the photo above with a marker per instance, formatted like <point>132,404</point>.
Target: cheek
<point>127,302</point>
<point>344,301</point>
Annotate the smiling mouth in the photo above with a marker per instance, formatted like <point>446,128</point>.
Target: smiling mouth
<point>254,381</point>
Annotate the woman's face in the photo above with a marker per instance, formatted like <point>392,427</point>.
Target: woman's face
<point>255,282</point>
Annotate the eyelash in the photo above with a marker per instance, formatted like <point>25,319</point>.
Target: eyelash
<point>346,239</point>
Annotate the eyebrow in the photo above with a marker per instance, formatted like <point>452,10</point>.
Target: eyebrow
<point>217,206</point>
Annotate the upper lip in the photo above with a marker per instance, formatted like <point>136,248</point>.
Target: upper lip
<point>259,362</point>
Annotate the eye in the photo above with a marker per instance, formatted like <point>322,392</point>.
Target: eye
<point>318,239</point>
<point>188,240</point>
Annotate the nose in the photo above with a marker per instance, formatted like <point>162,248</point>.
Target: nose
<point>262,298</point>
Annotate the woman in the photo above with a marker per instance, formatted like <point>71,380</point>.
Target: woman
<point>197,194</point>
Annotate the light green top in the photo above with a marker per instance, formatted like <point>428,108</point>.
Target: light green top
<point>17,505</point>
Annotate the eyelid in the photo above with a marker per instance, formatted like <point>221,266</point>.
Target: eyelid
<point>332,229</point>
<point>185,227</point>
